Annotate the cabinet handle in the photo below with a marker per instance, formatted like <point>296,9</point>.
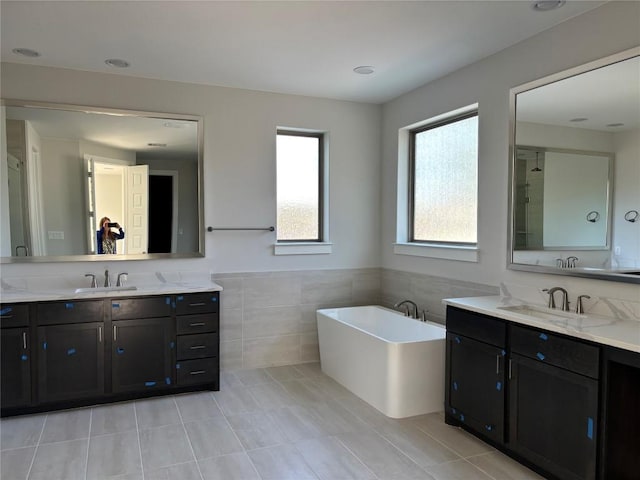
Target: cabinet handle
<point>197,347</point>
<point>24,340</point>
<point>199,304</point>
<point>197,324</point>
<point>100,334</point>
<point>497,364</point>
<point>509,369</point>
<point>115,333</point>
<point>198,372</point>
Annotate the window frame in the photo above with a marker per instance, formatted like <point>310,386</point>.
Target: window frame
<point>411,179</point>
<point>321,183</point>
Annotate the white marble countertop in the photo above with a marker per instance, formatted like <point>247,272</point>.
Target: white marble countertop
<point>38,289</point>
<point>620,333</point>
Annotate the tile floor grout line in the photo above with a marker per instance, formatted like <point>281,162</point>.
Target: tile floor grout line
<point>184,428</point>
<point>135,415</point>
<point>86,463</point>
<point>354,454</point>
<point>244,450</point>
<point>480,469</point>
<point>444,444</point>
<point>33,459</point>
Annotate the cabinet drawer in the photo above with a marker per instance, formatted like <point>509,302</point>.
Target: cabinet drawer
<point>556,350</point>
<point>140,307</point>
<point>190,303</point>
<point>474,325</point>
<point>72,311</point>
<point>197,346</point>
<point>197,371</point>
<point>188,324</point>
<point>14,315</point>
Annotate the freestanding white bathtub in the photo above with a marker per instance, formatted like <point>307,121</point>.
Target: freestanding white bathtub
<point>392,362</point>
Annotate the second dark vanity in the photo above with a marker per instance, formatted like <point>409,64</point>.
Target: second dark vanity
<point>566,407</point>
<point>62,354</point>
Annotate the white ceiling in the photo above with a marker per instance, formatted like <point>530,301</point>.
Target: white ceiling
<point>295,47</point>
<point>608,95</point>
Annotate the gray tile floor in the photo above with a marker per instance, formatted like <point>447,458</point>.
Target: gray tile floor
<point>276,423</point>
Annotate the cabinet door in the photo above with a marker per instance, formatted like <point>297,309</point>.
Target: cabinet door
<point>16,367</point>
<point>553,418</point>
<point>142,354</point>
<point>70,361</point>
<point>474,392</point>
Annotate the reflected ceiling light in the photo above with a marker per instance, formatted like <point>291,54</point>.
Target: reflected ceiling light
<point>579,119</point>
<point>117,62</point>
<point>546,5</point>
<point>615,125</point>
<point>26,52</point>
<point>364,70</point>
<point>174,125</point>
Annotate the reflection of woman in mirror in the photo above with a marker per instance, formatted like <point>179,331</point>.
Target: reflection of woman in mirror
<point>107,237</point>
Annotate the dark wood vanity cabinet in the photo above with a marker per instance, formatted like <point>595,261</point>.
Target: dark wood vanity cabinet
<point>70,350</point>
<point>71,353</point>
<point>197,339</point>
<point>15,356</point>
<point>475,373</point>
<point>142,344</point>
<point>569,407</point>
<point>70,361</point>
<point>553,404</point>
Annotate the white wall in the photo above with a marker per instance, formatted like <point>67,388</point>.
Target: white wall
<point>609,29</point>
<point>626,235</point>
<point>239,164</point>
<point>5,233</point>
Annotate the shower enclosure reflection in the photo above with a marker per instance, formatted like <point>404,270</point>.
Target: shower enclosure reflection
<point>562,199</point>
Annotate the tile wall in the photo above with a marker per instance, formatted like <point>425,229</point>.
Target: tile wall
<point>268,319</point>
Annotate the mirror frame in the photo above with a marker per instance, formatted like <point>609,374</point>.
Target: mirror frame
<point>122,113</point>
<point>513,92</point>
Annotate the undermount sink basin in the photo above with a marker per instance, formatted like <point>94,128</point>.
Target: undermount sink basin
<point>105,289</point>
<point>540,312</point>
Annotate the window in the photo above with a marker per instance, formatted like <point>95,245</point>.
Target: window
<point>300,172</point>
<point>443,181</point>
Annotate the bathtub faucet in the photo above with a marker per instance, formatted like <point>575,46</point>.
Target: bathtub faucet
<point>408,304</point>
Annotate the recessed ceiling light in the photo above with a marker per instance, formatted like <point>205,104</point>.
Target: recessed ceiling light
<point>26,52</point>
<point>117,62</point>
<point>615,125</point>
<point>546,5</point>
<point>579,119</point>
<point>156,144</point>
<point>364,70</point>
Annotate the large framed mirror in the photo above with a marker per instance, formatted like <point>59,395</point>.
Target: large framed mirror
<point>575,171</point>
<point>83,183</point>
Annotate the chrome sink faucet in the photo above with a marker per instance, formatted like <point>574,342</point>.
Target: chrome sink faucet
<point>94,284</point>
<point>121,281</point>
<point>552,300</point>
<point>409,304</point>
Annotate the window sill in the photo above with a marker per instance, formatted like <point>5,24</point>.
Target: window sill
<point>302,248</point>
<point>446,252</point>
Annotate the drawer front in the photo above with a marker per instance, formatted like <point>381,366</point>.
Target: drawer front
<point>192,372</point>
<point>197,346</point>
<point>479,327</point>
<point>16,315</point>
<point>71,311</point>
<point>556,350</point>
<point>140,307</point>
<point>192,303</point>
<point>190,324</point>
